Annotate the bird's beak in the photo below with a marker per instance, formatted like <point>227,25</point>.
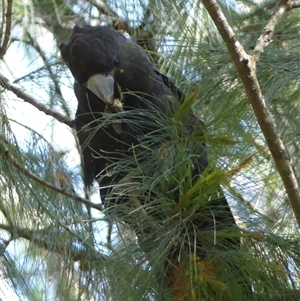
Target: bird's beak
<point>103,86</point>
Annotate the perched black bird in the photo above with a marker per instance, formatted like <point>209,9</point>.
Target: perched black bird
<point>100,143</point>
<point>108,70</point>
<point>107,66</point>
<point>112,66</point>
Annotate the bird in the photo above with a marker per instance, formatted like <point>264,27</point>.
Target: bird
<point>107,66</point>
<point>99,144</point>
<point>100,59</point>
<point>113,75</point>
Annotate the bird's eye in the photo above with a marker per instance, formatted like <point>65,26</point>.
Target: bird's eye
<point>116,62</point>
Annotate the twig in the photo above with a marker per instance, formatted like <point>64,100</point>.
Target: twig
<point>2,22</point>
<point>31,74</point>
<point>6,213</point>
<point>8,14</point>
<point>104,8</point>
<point>57,247</point>
<point>293,4</point>
<point>5,83</point>
<point>246,67</point>
<point>79,199</point>
<point>268,32</point>
<point>42,54</point>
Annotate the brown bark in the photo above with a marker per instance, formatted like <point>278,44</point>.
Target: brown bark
<point>246,67</point>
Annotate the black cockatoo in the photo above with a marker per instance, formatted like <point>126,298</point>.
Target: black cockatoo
<point>107,66</point>
<point>110,69</point>
<point>113,67</point>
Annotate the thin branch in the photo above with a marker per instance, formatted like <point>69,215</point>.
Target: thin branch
<point>6,213</point>
<point>42,54</point>
<point>104,8</point>
<point>294,4</point>
<point>2,21</point>
<point>268,32</point>
<point>8,14</point>
<point>246,66</point>
<point>59,248</point>
<point>5,83</point>
<point>31,74</point>
<point>79,199</point>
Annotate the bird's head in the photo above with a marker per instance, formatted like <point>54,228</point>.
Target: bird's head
<point>91,55</point>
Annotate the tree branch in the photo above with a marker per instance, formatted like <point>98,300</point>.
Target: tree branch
<point>2,21</point>
<point>13,162</point>
<point>31,74</point>
<point>58,246</point>
<point>104,8</point>
<point>8,14</point>
<point>246,67</point>
<point>293,4</point>
<point>5,83</point>
<point>268,32</point>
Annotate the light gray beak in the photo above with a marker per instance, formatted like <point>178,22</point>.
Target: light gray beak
<point>103,86</point>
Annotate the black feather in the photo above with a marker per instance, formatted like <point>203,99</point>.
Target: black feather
<point>93,50</point>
